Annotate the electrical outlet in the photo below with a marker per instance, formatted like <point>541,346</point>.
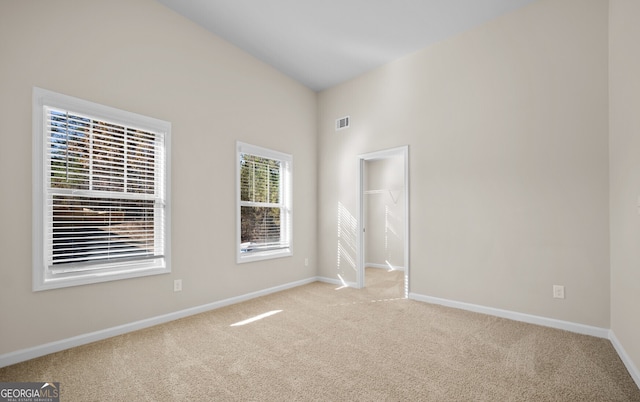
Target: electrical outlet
<point>558,292</point>
<point>177,285</point>
<point>306,262</point>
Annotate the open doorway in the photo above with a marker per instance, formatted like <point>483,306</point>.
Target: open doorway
<point>383,216</point>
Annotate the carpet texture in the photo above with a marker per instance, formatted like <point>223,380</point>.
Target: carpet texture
<point>322,343</point>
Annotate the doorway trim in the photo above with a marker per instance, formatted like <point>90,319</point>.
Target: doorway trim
<point>402,151</point>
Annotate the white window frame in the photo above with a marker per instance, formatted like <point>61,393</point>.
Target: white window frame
<point>286,217</point>
<point>45,278</point>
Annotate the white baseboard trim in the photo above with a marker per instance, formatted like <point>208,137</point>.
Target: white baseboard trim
<point>512,315</point>
<point>52,347</point>
<point>337,282</point>
<point>384,266</point>
<point>631,368</point>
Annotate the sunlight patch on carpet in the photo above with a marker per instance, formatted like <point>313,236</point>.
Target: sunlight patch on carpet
<point>256,318</point>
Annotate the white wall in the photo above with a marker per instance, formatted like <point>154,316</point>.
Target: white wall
<point>625,174</point>
<point>384,206</point>
<point>143,57</point>
<point>507,126</point>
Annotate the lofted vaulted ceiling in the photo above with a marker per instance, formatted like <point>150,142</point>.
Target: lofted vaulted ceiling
<point>322,43</point>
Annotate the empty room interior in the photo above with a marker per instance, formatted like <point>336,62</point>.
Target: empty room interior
<point>497,166</point>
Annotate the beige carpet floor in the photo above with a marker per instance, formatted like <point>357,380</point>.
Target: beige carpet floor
<point>330,344</point>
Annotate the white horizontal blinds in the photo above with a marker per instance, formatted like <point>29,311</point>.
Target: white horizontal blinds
<point>262,213</point>
<point>104,202</point>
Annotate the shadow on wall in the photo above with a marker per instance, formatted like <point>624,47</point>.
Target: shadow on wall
<point>346,254</point>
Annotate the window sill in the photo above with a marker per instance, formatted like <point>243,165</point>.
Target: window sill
<point>264,255</point>
<point>56,281</point>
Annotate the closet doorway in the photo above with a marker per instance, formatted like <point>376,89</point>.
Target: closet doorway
<point>382,237</point>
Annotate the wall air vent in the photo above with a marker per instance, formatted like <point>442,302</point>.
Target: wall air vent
<point>343,123</point>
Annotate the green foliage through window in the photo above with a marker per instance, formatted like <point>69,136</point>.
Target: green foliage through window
<point>264,203</point>
<point>260,190</point>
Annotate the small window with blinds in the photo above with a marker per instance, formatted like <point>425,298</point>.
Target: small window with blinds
<point>100,193</point>
<point>264,203</point>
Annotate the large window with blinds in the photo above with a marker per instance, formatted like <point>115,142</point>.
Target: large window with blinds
<point>264,207</point>
<point>100,193</point>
